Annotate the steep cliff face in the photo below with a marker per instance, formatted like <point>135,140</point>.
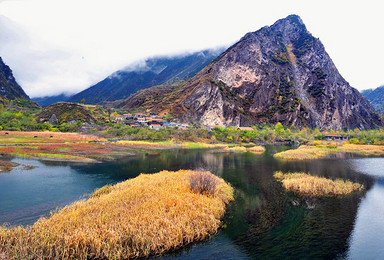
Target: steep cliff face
<point>9,89</point>
<point>279,73</point>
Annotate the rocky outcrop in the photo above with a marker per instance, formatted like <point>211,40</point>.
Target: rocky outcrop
<point>9,88</point>
<point>280,73</point>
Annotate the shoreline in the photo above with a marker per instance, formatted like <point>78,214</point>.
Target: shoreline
<point>122,221</point>
<point>85,149</point>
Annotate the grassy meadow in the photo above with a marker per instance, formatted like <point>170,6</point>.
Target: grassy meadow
<point>313,186</point>
<point>87,148</point>
<point>148,215</point>
<point>58,146</point>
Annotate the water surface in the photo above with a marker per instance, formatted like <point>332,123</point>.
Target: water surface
<point>261,223</point>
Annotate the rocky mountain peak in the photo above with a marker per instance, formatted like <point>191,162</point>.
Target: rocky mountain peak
<point>280,73</point>
<point>9,88</point>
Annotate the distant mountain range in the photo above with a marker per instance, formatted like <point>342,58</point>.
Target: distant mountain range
<point>280,73</point>
<point>49,100</point>
<point>376,97</point>
<point>152,72</point>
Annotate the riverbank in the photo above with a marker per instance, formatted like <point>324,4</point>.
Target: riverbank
<point>169,145</point>
<point>323,149</point>
<point>82,148</point>
<point>148,215</point>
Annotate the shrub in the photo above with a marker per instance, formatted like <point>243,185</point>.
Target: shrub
<point>203,182</point>
<point>354,141</point>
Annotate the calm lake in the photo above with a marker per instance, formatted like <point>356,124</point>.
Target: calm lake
<point>262,222</point>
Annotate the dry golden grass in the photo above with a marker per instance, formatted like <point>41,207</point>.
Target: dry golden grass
<point>147,215</point>
<point>368,150</point>
<point>256,149</point>
<point>304,153</point>
<point>314,186</point>
<point>324,149</point>
<point>235,149</point>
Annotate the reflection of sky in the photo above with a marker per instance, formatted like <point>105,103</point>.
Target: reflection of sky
<point>25,195</point>
<point>370,166</point>
<point>367,240</point>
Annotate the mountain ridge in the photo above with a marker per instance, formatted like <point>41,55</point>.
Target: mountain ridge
<point>376,97</point>
<point>154,71</point>
<point>280,73</point>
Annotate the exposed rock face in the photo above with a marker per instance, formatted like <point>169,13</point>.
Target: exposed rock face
<point>53,120</point>
<point>279,73</point>
<point>9,88</point>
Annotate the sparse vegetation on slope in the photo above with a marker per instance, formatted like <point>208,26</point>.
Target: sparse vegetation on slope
<point>147,215</point>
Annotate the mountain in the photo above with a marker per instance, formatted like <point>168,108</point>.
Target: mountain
<point>153,71</point>
<point>280,73</point>
<point>49,100</point>
<point>12,96</point>
<point>376,97</point>
<point>9,88</point>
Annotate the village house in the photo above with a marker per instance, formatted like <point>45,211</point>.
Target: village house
<point>142,120</point>
<point>120,118</point>
<point>183,126</point>
<point>154,120</point>
<point>128,116</point>
<point>155,126</point>
<point>335,137</point>
<point>153,115</point>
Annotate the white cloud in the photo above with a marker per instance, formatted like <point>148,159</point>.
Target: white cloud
<point>68,45</point>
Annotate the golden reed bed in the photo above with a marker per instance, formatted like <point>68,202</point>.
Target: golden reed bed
<point>314,186</point>
<point>147,215</point>
<point>305,152</point>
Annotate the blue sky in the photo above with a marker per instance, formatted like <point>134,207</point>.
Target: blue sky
<point>56,46</point>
